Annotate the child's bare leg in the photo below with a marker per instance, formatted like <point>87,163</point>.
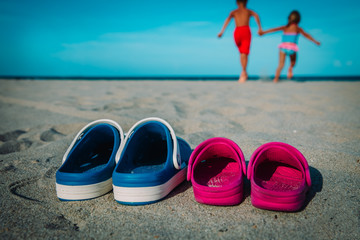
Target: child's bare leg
<point>244,61</point>
<point>292,64</point>
<point>282,56</point>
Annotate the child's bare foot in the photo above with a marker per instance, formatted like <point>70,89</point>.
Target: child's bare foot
<point>290,73</point>
<point>276,80</point>
<point>243,77</point>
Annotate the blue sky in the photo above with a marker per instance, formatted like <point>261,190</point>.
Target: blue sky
<point>168,38</point>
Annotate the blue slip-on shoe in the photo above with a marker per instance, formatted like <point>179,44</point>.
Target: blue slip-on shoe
<point>88,163</point>
<point>153,162</point>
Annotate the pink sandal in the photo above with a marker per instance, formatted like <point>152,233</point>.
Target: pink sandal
<point>279,176</point>
<point>216,169</point>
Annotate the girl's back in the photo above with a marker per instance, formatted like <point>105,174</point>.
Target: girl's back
<point>292,28</point>
<point>291,33</point>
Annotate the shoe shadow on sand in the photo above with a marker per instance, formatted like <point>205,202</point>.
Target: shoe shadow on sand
<point>185,185</point>
<point>316,186</point>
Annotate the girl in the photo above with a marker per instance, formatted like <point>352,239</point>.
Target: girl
<point>289,42</point>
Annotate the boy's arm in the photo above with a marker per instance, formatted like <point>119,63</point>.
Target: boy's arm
<point>272,30</point>
<point>308,36</point>
<point>228,19</point>
<point>257,19</point>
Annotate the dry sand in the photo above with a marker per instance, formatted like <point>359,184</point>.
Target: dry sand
<point>38,120</point>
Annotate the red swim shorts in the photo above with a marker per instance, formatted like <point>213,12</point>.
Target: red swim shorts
<point>242,37</point>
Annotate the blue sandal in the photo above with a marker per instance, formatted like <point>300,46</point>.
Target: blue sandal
<point>153,162</point>
<point>86,170</point>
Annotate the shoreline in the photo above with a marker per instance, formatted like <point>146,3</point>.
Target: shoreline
<point>351,78</point>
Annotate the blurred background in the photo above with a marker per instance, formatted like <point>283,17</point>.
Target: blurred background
<point>111,38</point>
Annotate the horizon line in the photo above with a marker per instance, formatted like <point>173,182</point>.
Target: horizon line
<point>184,77</point>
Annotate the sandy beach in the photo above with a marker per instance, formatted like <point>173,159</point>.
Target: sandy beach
<point>38,120</point>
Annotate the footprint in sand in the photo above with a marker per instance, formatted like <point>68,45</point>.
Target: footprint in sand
<point>180,109</point>
<point>50,173</point>
<point>235,126</point>
<point>198,137</point>
<point>10,142</point>
<point>14,146</point>
<point>16,188</point>
<point>61,223</point>
<point>11,135</point>
<point>36,189</point>
<point>20,140</point>
<point>51,135</point>
<point>9,168</point>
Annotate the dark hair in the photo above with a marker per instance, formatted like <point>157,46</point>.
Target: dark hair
<point>294,17</point>
<point>242,1</point>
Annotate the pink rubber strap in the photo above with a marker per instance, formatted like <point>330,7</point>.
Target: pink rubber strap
<point>200,147</point>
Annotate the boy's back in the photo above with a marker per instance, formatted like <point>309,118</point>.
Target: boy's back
<point>241,16</point>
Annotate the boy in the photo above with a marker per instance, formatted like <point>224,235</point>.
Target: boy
<point>242,34</point>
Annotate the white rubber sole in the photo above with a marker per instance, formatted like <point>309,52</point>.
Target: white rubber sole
<point>143,195</point>
<point>83,192</point>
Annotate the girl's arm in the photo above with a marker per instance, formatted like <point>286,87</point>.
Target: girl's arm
<point>257,19</point>
<point>228,19</point>
<point>272,30</point>
<point>308,36</point>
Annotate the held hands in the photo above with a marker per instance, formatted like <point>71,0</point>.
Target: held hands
<point>261,32</point>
